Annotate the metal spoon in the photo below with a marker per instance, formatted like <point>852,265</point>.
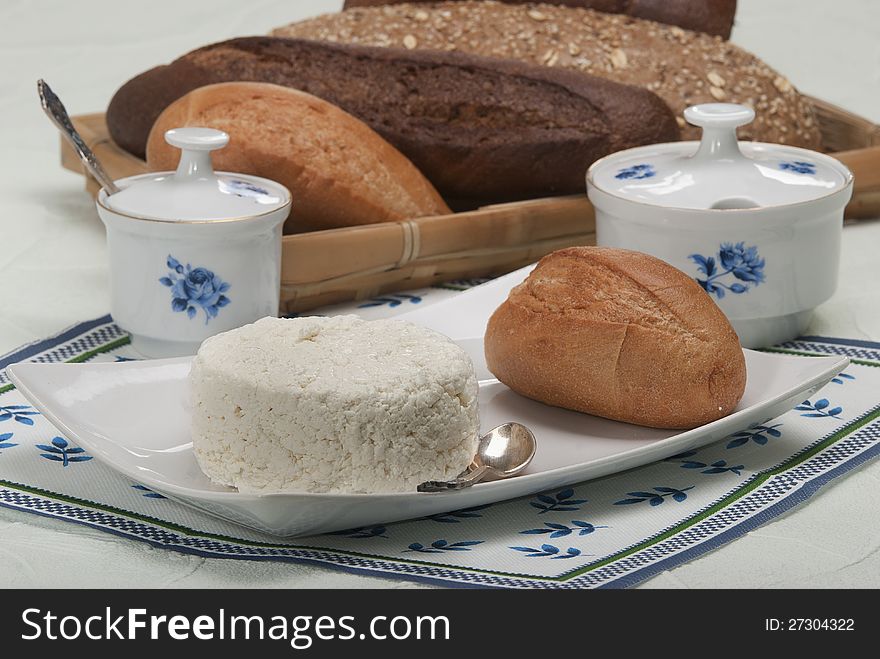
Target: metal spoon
<point>503,452</point>
<point>55,109</point>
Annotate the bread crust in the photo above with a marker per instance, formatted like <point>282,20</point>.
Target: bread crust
<point>682,67</point>
<point>480,129</point>
<point>617,334</point>
<point>710,16</point>
<point>338,170</point>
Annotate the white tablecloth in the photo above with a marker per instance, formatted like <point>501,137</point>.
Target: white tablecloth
<point>53,272</point>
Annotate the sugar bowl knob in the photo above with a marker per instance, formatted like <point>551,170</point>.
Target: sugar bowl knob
<point>196,144</point>
<point>719,122</point>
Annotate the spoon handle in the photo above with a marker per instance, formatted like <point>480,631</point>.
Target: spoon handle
<point>471,477</point>
<point>53,107</point>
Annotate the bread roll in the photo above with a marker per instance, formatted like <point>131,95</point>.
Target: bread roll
<point>709,16</point>
<point>618,334</point>
<point>479,129</point>
<point>682,67</point>
<point>339,172</point>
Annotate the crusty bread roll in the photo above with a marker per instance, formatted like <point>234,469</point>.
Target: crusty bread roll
<point>618,334</point>
<point>338,170</point>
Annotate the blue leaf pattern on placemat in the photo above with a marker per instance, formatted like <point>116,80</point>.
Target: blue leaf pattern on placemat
<point>20,413</point>
<point>744,263</point>
<point>842,377</point>
<point>462,284</point>
<point>394,300</point>
<point>363,532</point>
<point>549,550</point>
<point>148,493</point>
<point>758,434</point>
<point>4,441</point>
<point>657,497</point>
<point>717,467</point>
<point>440,546</point>
<point>556,530</point>
<point>561,501</point>
<point>456,516</point>
<point>821,408</point>
<point>61,451</point>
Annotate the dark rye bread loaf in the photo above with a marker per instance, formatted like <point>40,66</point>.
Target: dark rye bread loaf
<point>682,67</point>
<point>710,16</point>
<point>479,129</point>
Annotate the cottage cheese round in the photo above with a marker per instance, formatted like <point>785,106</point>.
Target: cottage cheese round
<point>332,405</point>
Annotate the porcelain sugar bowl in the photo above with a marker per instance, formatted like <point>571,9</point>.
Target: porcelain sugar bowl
<point>757,225</point>
<point>192,252</point>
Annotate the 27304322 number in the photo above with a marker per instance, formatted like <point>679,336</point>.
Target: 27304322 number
<point>820,624</point>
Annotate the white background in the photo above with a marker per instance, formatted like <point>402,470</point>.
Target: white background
<point>53,270</point>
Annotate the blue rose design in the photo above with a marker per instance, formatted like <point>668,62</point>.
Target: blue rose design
<point>744,263</point>
<point>641,171</point>
<point>194,288</point>
<point>798,166</point>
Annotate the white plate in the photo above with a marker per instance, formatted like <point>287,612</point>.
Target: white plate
<point>132,416</point>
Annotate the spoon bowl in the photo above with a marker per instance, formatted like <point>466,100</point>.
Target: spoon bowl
<point>507,449</point>
<point>502,452</point>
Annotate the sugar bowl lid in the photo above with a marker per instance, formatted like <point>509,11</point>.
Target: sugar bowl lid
<point>718,173</point>
<point>195,192</point>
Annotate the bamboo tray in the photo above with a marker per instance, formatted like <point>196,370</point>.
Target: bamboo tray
<point>326,267</point>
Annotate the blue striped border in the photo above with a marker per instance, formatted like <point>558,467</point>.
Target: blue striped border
<point>797,497</point>
<point>35,348</point>
<point>859,343</point>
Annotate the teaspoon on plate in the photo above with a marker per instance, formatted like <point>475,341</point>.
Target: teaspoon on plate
<point>502,452</point>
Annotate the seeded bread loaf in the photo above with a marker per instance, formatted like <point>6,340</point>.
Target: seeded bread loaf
<point>709,16</point>
<point>682,67</point>
<point>479,129</point>
<point>339,171</point>
<point>618,334</point>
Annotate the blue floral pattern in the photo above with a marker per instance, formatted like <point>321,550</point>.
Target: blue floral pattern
<point>819,409</point>
<point>717,467</point>
<point>549,550</point>
<point>456,516</point>
<point>561,501</point>
<point>657,497</point>
<point>440,546</point>
<point>195,288</point>
<point>4,441</point>
<point>148,493</point>
<point>363,532</point>
<point>391,300</point>
<point>462,284</point>
<point>759,434</point>
<point>744,263</point>
<point>241,188</point>
<point>61,451</point>
<point>20,413</point>
<point>798,167</point>
<point>842,378</point>
<point>561,530</point>
<point>640,171</point>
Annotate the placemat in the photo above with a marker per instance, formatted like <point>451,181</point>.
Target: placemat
<point>612,532</point>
